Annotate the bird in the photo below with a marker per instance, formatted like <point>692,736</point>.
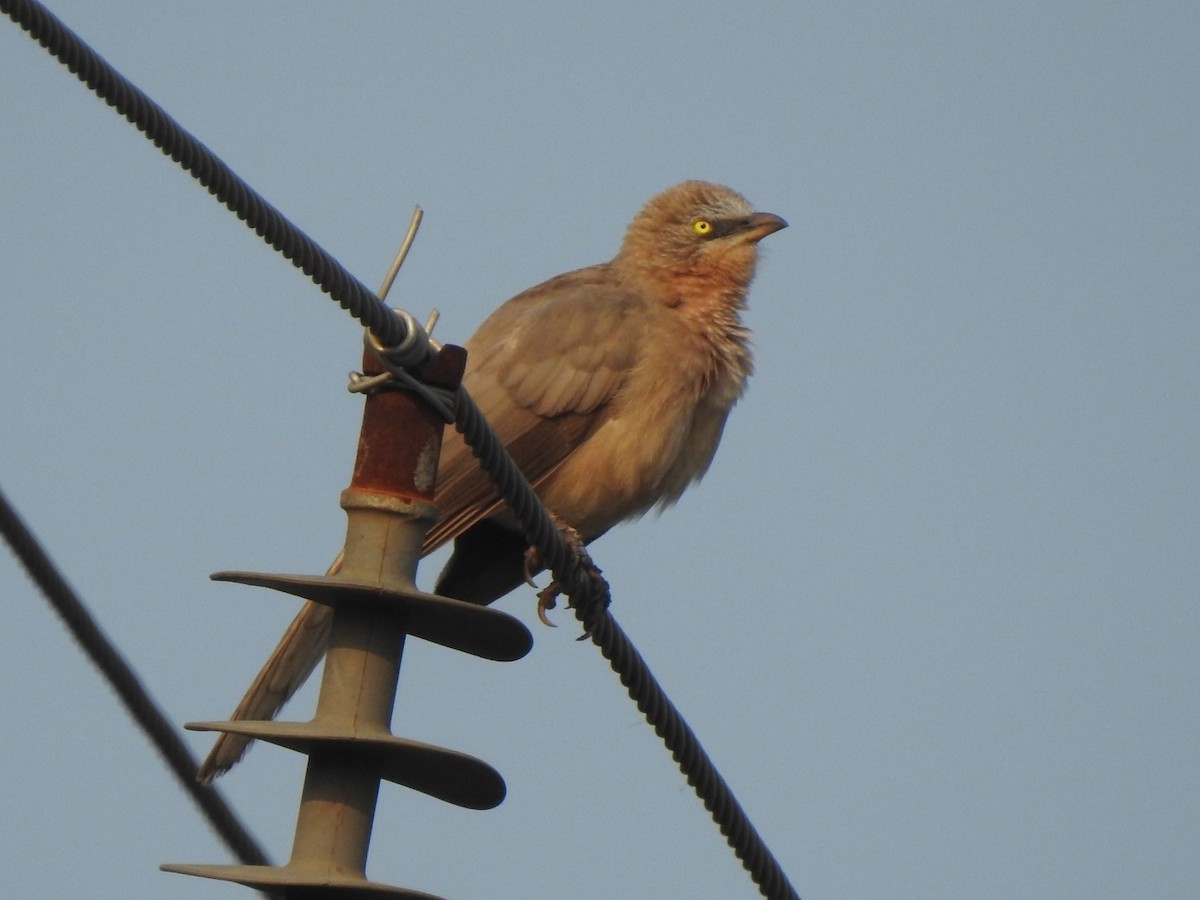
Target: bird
<point>610,387</point>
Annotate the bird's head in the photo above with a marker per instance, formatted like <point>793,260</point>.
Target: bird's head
<point>693,234</point>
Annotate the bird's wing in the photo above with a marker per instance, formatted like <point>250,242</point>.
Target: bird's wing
<point>543,369</point>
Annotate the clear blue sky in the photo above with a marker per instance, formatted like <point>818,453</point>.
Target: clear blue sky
<point>934,609</point>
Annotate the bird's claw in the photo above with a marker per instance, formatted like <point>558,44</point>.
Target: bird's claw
<point>548,596</point>
<point>533,565</point>
<point>547,600</point>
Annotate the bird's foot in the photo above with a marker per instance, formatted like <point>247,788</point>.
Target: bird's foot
<point>547,600</point>
<point>548,596</point>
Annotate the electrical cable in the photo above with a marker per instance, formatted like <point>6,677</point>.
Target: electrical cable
<point>590,600</point>
<point>206,167</point>
<point>125,682</point>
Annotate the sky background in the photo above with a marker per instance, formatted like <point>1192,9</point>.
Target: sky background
<point>933,611</point>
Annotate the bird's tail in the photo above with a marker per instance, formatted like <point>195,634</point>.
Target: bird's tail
<point>293,660</point>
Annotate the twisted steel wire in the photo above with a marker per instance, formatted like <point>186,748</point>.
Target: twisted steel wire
<point>206,167</point>
<point>692,759</point>
<point>588,596</point>
<point>588,593</point>
<point>589,599</point>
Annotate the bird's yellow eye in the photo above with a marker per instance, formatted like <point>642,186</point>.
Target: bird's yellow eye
<point>702,227</point>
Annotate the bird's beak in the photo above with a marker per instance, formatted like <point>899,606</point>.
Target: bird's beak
<point>759,225</point>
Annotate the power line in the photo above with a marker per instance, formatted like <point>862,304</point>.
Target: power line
<point>125,682</point>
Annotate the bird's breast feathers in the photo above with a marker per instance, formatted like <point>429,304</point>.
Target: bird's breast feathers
<point>659,433</point>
